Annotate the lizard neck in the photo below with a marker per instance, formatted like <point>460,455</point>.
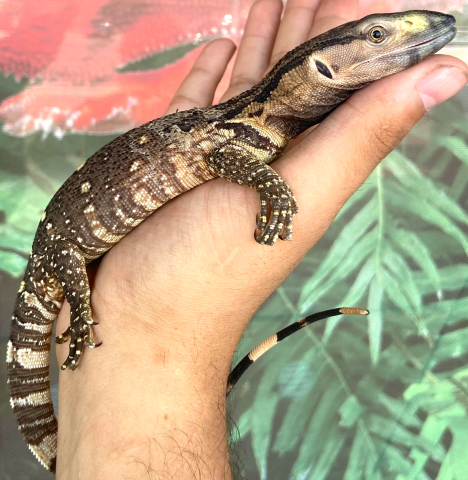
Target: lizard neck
<point>289,99</point>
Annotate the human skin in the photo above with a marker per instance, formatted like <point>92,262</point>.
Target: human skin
<point>174,296</point>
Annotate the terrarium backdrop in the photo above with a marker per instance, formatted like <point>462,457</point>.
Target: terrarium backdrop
<point>383,398</point>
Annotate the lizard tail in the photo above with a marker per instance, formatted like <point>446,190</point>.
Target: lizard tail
<point>28,351</point>
<point>263,347</point>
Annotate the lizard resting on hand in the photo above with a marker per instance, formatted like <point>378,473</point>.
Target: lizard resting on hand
<point>130,177</point>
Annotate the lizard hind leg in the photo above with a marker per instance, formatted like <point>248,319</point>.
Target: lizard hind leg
<point>70,268</point>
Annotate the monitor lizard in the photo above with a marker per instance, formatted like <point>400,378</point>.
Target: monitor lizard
<point>136,173</point>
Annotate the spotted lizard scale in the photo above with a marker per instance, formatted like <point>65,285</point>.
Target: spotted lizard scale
<point>132,176</point>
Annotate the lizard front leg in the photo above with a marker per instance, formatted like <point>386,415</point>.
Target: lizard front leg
<point>278,205</point>
<point>70,267</point>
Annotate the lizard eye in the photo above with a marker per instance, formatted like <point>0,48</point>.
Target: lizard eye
<point>377,34</point>
<point>323,69</point>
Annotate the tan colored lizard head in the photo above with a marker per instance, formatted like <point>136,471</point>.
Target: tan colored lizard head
<point>378,45</point>
<point>318,75</point>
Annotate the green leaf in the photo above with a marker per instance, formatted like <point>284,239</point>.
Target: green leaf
<point>446,470</point>
<point>242,428</point>
<point>160,59</point>
<point>395,292</point>
<point>459,184</point>
<point>12,263</point>
<point>298,413</point>
<point>350,412</point>
<point>452,277</point>
<point>376,294</point>
<point>454,144</point>
<point>411,244</point>
<point>355,256</point>
<point>423,209</point>
<point>411,178</point>
<point>319,431</point>
<point>262,415</point>
<point>393,433</point>
<point>458,447</point>
<point>357,457</point>
<point>402,274</point>
<point>348,238</point>
<point>356,292</point>
<point>22,203</point>
<point>330,452</point>
<point>432,431</point>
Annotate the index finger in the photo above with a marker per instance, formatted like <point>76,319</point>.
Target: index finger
<point>199,86</point>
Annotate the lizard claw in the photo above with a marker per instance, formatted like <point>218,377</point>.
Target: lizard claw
<point>91,344</point>
<point>81,336</point>
<point>279,224</point>
<point>62,338</point>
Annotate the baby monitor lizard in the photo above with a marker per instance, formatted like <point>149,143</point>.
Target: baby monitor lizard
<point>133,175</point>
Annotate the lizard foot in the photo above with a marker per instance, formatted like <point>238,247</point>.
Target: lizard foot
<point>283,208</point>
<point>81,335</point>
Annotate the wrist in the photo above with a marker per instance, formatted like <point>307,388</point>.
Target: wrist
<point>142,400</point>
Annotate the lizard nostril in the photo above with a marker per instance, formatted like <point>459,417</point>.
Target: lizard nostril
<point>408,23</point>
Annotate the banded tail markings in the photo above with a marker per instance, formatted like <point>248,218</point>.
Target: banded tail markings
<point>28,352</point>
<point>270,342</point>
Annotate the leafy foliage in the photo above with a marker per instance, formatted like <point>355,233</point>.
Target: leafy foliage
<point>390,392</point>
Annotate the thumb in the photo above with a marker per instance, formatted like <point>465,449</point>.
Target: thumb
<point>332,162</point>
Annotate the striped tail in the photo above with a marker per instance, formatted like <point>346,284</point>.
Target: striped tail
<point>28,357</point>
<point>263,347</point>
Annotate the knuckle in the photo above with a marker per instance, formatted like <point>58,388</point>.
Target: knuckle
<point>384,136</point>
<point>181,101</point>
<point>382,132</point>
<point>276,58</point>
<point>200,70</point>
<point>242,81</point>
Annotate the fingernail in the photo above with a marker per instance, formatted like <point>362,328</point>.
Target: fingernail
<point>440,85</point>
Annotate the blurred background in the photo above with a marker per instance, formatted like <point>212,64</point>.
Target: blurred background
<point>379,398</point>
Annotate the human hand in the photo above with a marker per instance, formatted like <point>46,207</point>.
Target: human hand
<point>173,297</point>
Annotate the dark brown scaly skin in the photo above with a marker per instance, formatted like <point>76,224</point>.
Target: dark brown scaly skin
<point>129,178</point>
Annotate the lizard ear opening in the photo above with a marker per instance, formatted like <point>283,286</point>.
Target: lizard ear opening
<point>323,69</point>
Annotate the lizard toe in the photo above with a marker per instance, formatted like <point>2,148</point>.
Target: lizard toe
<point>262,218</point>
<point>269,234</point>
<point>63,337</point>
<point>81,336</point>
<point>286,234</point>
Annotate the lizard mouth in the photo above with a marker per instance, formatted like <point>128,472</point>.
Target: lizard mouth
<point>437,42</point>
<point>444,34</point>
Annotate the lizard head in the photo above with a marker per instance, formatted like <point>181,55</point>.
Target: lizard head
<point>354,54</point>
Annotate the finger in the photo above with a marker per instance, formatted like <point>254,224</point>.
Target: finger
<point>255,48</point>
<point>360,133</point>
<point>332,13</point>
<point>295,26</point>
<point>199,86</point>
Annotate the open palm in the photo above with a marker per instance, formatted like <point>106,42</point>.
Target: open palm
<point>173,297</point>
